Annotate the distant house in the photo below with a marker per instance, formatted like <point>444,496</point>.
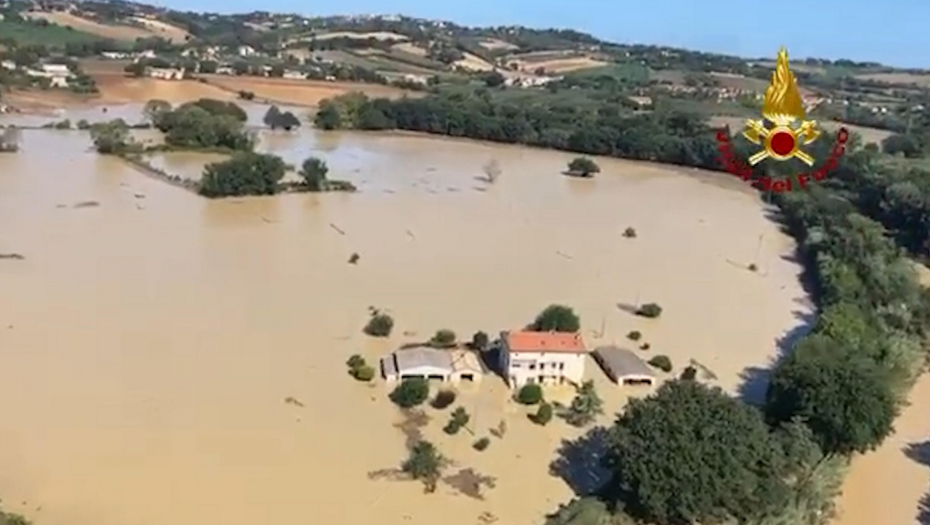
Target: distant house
<point>58,75</point>
<point>623,366</point>
<point>246,51</point>
<point>165,73</point>
<point>8,64</point>
<point>225,70</point>
<point>148,53</point>
<point>294,75</point>
<point>548,358</point>
<point>114,55</point>
<point>431,363</point>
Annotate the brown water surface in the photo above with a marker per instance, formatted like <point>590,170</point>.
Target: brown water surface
<point>147,343</point>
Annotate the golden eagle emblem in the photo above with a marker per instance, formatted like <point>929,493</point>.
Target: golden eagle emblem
<point>782,107</point>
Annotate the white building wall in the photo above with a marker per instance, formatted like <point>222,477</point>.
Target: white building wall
<point>547,368</point>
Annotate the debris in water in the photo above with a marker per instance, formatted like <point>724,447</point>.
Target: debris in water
<point>139,195</point>
<point>86,204</point>
<point>564,255</point>
<point>353,259</point>
<point>293,401</point>
<point>337,228</point>
<point>411,235</point>
<point>13,256</point>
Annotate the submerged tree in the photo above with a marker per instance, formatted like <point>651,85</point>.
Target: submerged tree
<point>275,118</point>
<point>111,137</point>
<point>155,108</point>
<point>243,174</point>
<point>558,318</point>
<point>425,463</point>
<point>585,407</point>
<point>313,172</point>
<point>693,454</point>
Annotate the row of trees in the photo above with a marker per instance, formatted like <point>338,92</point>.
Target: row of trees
<point>249,173</point>
<point>596,127</point>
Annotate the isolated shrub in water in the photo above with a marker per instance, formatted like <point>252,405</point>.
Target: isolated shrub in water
<point>651,310</point>
<point>355,361</point>
<point>583,166</point>
<point>482,444</point>
<point>443,338</point>
<point>635,335</point>
<point>543,415</point>
<point>585,407</point>
<point>364,373</point>
<point>458,420</point>
<point>410,393</point>
<point>380,325</point>
<point>662,362</point>
<point>530,394</point>
<point>629,233</point>
<point>644,346</point>
<point>558,318</point>
<point>480,340</point>
<point>443,399</point>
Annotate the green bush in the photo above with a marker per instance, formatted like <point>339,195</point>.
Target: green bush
<point>662,362</point>
<point>410,392</point>
<point>629,233</point>
<point>458,420</point>
<point>364,373</point>
<point>583,167</point>
<point>355,361</point>
<point>482,444</point>
<point>444,338</point>
<point>635,335</point>
<point>645,346</point>
<point>480,340</point>
<point>543,415</point>
<point>530,394</point>
<point>380,325</point>
<point>651,310</point>
<point>443,399</point>
<point>557,318</point>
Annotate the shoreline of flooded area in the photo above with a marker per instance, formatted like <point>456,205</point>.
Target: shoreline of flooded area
<point>152,339</point>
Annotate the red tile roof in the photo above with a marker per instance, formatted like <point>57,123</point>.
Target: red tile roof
<point>563,342</point>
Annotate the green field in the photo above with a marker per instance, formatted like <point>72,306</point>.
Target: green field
<point>26,33</point>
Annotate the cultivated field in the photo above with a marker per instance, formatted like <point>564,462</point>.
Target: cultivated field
<point>31,34</point>
<point>899,78</point>
<point>494,44</point>
<point>116,32</point>
<point>474,63</point>
<point>413,49</point>
<point>167,31</point>
<point>298,92</point>
<point>554,61</point>
<point>377,35</point>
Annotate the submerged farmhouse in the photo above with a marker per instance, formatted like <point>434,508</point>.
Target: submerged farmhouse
<point>450,366</point>
<point>547,358</point>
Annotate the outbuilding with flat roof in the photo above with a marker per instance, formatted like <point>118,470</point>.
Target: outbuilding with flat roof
<point>623,366</point>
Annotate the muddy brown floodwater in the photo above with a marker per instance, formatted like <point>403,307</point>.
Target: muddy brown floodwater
<point>147,344</point>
